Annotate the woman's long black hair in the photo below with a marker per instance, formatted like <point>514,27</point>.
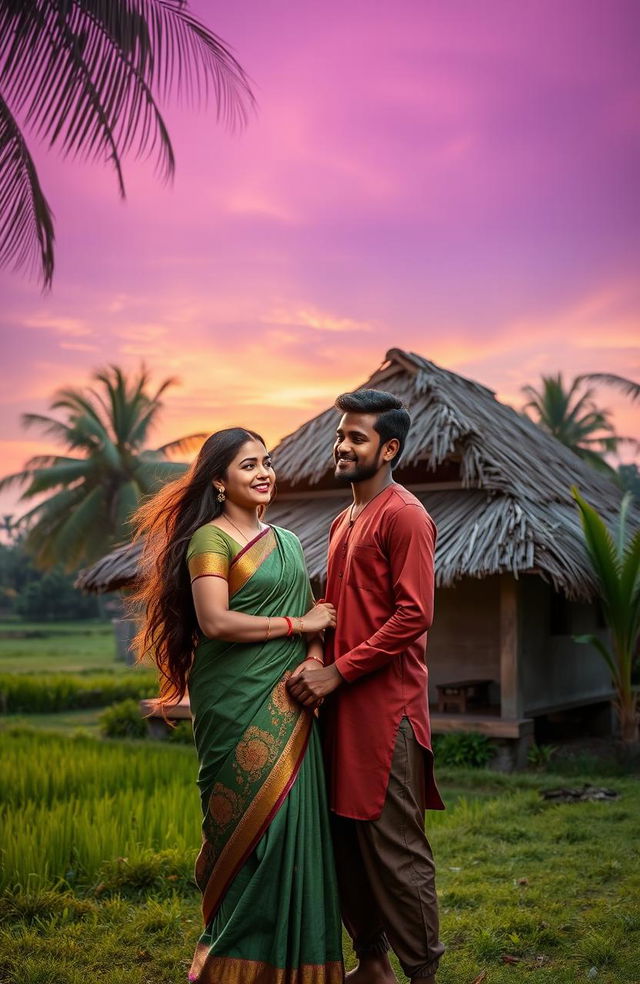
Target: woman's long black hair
<point>167,522</point>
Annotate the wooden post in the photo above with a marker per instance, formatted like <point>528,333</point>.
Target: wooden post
<point>510,687</point>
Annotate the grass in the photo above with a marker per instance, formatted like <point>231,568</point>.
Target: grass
<point>104,891</point>
<point>46,693</point>
<point>70,647</point>
<point>64,722</point>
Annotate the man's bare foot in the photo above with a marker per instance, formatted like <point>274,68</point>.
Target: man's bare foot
<point>372,970</point>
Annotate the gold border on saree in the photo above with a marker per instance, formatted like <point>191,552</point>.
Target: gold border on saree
<point>245,564</point>
<point>234,970</point>
<point>250,827</point>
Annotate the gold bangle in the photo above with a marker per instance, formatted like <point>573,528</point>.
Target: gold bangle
<point>268,628</point>
<point>300,625</point>
<point>317,659</point>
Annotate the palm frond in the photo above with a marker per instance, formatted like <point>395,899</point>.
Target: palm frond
<point>140,430</point>
<point>584,405</point>
<point>627,386</point>
<point>44,460</point>
<point>164,385</point>
<point>594,640</point>
<point>26,236</point>
<point>604,557</point>
<point>184,445</point>
<point>18,478</point>
<point>630,582</point>
<point>44,479</point>
<point>49,425</point>
<point>152,475</point>
<point>596,460</point>
<point>623,516</point>
<point>125,504</point>
<point>68,540</point>
<point>190,59</point>
<point>55,505</point>
<point>82,73</point>
<point>76,87</point>
<point>73,400</point>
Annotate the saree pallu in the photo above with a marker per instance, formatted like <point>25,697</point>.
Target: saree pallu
<point>265,869</point>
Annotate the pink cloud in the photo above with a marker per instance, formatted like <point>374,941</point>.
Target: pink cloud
<point>457,179</point>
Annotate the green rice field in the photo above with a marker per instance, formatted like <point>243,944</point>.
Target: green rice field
<point>62,647</point>
<point>99,839</point>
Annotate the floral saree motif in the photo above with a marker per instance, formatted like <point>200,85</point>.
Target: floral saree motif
<point>265,822</point>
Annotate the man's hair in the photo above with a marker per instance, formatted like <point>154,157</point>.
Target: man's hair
<point>392,419</point>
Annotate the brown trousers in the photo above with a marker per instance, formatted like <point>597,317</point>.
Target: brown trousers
<point>386,873</point>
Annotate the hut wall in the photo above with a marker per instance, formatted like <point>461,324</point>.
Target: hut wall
<point>464,641</point>
<point>557,672</point>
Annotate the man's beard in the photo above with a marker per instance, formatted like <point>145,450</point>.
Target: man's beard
<point>361,473</point>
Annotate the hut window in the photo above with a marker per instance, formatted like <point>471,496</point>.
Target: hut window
<point>560,616</point>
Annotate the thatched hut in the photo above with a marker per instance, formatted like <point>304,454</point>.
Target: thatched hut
<point>513,580</point>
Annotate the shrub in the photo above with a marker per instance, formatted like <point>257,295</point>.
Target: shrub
<point>539,756</point>
<point>465,749</point>
<point>53,596</point>
<point>35,905</point>
<point>159,872</point>
<point>23,693</point>
<point>123,720</point>
<point>182,733</point>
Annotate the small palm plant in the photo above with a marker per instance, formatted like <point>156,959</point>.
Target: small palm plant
<point>87,497</point>
<point>616,564</point>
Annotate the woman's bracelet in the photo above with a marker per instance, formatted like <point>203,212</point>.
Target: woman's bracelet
<point>317,659</point>
<point>268,628</point>
<point>300,625</point>
<point>289,625</point>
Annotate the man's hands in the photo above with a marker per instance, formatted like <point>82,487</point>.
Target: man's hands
<point>310,682</point>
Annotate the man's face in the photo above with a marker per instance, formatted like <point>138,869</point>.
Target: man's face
<point>357,451</point>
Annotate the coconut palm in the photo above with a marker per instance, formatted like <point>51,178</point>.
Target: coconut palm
<point>571,414</point>
<point>85,75</point>
<point>90,495</point>
<point>616,564</point>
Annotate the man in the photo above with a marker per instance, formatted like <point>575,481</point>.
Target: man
<point>375,718</point>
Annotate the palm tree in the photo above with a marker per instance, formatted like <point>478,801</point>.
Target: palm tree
<point>616,564</point>
<point>90,496</point>
<point>572,416</point>
<point>82,74</point>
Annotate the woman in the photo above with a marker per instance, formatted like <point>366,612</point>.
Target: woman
<point>229,611</point>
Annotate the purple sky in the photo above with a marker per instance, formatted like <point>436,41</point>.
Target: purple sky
<point>456,178</point>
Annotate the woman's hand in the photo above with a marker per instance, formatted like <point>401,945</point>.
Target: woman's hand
<point>321,616</point>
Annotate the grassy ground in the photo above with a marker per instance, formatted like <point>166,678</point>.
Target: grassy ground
<point>46,647</point>
<point>66,722</point>
<point>528,890</point>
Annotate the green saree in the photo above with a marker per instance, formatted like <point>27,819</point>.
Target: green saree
<point>265,869</point>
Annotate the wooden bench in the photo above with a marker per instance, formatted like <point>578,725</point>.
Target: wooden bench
<point>156,723</point>
<point>460,696</point>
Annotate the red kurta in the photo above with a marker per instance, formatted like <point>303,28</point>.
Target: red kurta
<point>380,579</point>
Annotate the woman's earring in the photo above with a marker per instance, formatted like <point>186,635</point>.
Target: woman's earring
<point>221,496</point>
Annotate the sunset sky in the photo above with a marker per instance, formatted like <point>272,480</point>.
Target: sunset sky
<point>455,178</point>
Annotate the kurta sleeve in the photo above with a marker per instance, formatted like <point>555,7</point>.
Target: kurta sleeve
<point>208,554</point>
<point>410,543</point>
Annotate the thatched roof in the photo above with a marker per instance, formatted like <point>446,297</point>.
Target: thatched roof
<point>509,508</point>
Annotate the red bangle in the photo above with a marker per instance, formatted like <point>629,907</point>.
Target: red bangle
<point>289,625</point>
